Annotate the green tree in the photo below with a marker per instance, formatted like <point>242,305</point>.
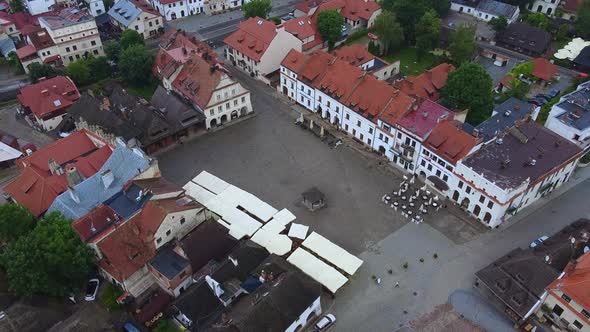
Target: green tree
<point>408,12</point>
<point>129,38</point>
<point>583,19</point>
<point>257,8</point>
<point>462,45</point>
<point>165,325</point>
<point>562,32</point>
<point>112,48</point>
<point>14,62</point>
<point>427,31</point>
<point>79,72</point>
<point>373,48</point>
<point>50,260</point>
<point>135,64</point>
<point>330,26</point>
<point>538,20</point>
<point>15,221</point>
<point>108,4</point>
<point>37,71</point>
<point>389,31</point>
<point>16,6</point>
<point>470,87</point>
<point>99,68</point>
<point>440,6</point>
<point>499,24</point>
<point>525,69</point>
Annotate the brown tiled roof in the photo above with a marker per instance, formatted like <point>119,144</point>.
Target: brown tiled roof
<point>49,95</point>
<point>95,222</point>
<point>427,84</point>
<point>371,97</point>
<point>339,80</point>
<point>40,39</point>
<point>300,27</point>
<point>363,9</point>
<point>294,60</point>
<point>355,54</point>
<point>252,37</point>
<point>543,69</point>
<point>450,142</point>
<point>197,80</point>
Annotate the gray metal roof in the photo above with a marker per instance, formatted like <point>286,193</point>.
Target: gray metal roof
<point>124,12</point>
<point>169,263</point>
<point>124,164</point>
<point>506,116</point>
<point>7,46</point>
<point>577,108</point>
<point>497,8</point>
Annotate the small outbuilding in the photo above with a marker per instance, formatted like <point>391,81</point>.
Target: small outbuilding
<point>313,199</point>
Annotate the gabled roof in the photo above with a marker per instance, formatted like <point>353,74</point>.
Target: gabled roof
<point>294,60</point>
<point>40,39</point>
<point>370,97</point>
<point>36,187</point>
<point>339,80</point>
<point>49,95</point>
<point>66,17</point>
<point>505,115</point>
<point>543,69</point>
<point>497,8</point>
<point>526,37</point>
<point>576,281</point>
<point>169,263</point>
<point>252,37</point>
<point>95,222</point>
<point>359,9</point>
<point>208,241</point>
<point>300,27</point>
<point>355,54</point>
<point>421,121</point>
<point>123,164</point>
<point>427,84</point>
<point>197,80</point>
<point>26,51</point>
<point>126,11</point>
<point>449,142</point>
<point>509,163</point>
<point>571,5</point>
<point>176,112</point>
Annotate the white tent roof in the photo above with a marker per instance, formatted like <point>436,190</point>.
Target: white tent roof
<point>572,49</point>
<point>8,153</point>
<point>210,182</point>
<point>273,242</point>
<point>332,253</point>
<point>284,217</point>
<point>199,193</point>
<point>317,269</point>
<point>298,231</point>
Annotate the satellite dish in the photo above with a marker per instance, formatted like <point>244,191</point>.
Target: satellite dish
<point>586,249</point>
<point>573,240</point>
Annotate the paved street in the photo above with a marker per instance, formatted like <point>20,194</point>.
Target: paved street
<point>216,27</point>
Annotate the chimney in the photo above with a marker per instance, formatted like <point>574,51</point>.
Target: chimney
<point>45,92</point>
<point>233,260</point>
<point>73,176</point>
<point>107,178</point>
<point>54,167</point>
<point>73,194</point>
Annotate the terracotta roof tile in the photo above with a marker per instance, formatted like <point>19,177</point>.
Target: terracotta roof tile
<point>422,120</point>
<point>427,84</point>
<point>294,60</point>
<point>197,80</point>
<point>355,54</point>
<point>95,222</point>
<point>363,9</point>
<point>252,37</point>
<point>450,142</point>
<point>543,69</point>
<point>49,95</point>
<point>576,281</point>
<point>300,27</point>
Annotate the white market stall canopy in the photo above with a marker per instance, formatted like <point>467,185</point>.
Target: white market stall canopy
<point>332,253</point>
<point>572,49</point>
<point>321,272</point>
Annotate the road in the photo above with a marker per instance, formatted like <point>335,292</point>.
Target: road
<point>216,27</point>
<point>9,87</point>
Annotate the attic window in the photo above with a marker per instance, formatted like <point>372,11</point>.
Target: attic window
<point>259,22</point>
<point>516,300</point>
<point>301,23</point>
<point>57,103</point>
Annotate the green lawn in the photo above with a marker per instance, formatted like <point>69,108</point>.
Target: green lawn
<point>409,62</point>
<point>145,91</point>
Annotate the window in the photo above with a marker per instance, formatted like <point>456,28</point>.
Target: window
<point>346,127</point>
<point>302,88</point>
<point>578,325</point>
<point>482,199</point>
<point>157,22</point>
<point>346,116</point>
<point>380,136</point>
<point>71,58</point>
<point>386,140</point>
<point>93,43</point>
<point>226,106</point>
<point>370,130</point>
<point>438,172</point>
<point>566,298</point>
<point>67,49</point>
<point>182,220</point>
<point>75,48</point>
<point>429,167</point>
<point>584,312</point>
<point>168,232</point>
<point>158,240</point>
<point>235,103</point>
<point>490,204</point>
<point>358,123</point>
<point>445,177</point>
<point>136,28</point>
<point>328,103</point>
<point>243,100</point>
<point>354,132</point>
<point>77,56</point>
<point>460,184</point>
<point>361,137</point>
<point>468,189</point>
<point>95,52</point>
<point>219,109</point>
<point>558,310</point>
<point>320,99</point>
<point>399,135</point>
<point>423,163</point>
<point>212,112</point>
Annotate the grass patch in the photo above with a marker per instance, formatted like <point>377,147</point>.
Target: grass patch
<point>146,91</point>
<point>166,326</point>
<point>410,64</point>
<point>109,296</point>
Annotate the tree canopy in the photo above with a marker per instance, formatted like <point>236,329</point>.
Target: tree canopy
<point>79,72</point>
<point>538,20</point>
<point>409,12</point>
<point>129,38</point>
<point>330,26</point>
<point>389,31</point>
<point>462,44</point>
<point>583,19</point>
<point>427,31</point>
<point>257,8</point>
<point>37,71</point>
<point>470,87</point>
<point>86,71</point>
<point>16,6</point>
<point>499,23</point>
<point>50,260</point>
<point>135,64</point>
<point>15,221</point>
<point>112,49</point>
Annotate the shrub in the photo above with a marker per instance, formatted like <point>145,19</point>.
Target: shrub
<point>109,297</point>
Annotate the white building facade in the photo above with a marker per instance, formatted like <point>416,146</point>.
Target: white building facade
<point>570,116</point>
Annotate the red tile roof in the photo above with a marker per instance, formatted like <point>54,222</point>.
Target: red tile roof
<point>144,6</point>
<point>40,39</point>
<point>315,66</point>
<point>294,60</point>
<point>363,9</point>
<point>26,51</point>
<point>400,104</point>
<point>427,84</point>
<point>49,95</point>
<point>305,6</point>
<point>575,283</point>
<point>131,245</point>
<point>94,222</point>
<point>252,37</point>
<point>175,49</point>
<point>422,120</point>
<point>36,188</point>
<point>371,97</point>
<point>197,80</point>
<point>355,54</point>
<point>300,27</point>
<point>20,19</point>
<point>450,142</point>
<point>571,5</point>
<point>543,69</point>
<point>339,80</point>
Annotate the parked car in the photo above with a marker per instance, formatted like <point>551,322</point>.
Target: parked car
<point>92,289</point>
<point>537,101</point>
<point>130,327</point>
<point>553,93</point>
<point>325,322</point>
<point>538,241</point>
<point>544,97</point>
